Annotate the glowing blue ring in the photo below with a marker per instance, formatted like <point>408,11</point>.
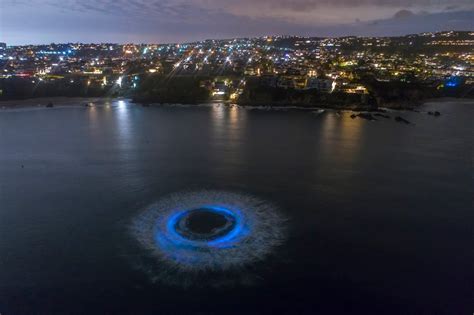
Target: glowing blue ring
<point>229,239</point>
<point>173,238</point>
<point>258,228</point>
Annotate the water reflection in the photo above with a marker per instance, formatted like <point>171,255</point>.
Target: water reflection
<point>228,123</point>
<point>341,138</point>
<point>122,115</point>
<point>340,145</point>
<point>217,113</point>
<point>110,121</point>
<point>96,132</point>
<point>127,135</point>
<point>228,133</point>
<point>92,115</point>
<point>237,121</point>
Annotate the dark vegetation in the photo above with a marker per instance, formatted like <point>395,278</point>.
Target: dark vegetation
<point>171,89</point>
<point>257,94</point>
<point>21,88</point>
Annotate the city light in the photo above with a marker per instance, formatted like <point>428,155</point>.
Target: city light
<point>321,65</point>
<point>119,81</point>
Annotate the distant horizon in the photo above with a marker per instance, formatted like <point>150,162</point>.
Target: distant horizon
<point>36,22</point>
<point>229,38</point>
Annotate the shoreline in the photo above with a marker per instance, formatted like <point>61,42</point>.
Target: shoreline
<point>353,108</point>
<point>42,102</point>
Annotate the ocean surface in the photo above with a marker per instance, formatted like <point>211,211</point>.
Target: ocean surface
<point>379,213</point>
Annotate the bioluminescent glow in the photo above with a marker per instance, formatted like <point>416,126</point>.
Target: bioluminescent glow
<point>209,231</point>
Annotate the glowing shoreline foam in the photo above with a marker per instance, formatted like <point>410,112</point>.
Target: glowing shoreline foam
<point>249,229</point>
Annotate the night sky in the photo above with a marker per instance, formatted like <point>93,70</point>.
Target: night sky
<point>160,21</point>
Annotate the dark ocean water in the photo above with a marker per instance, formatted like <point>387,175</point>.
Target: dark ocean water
<point>380,213</point>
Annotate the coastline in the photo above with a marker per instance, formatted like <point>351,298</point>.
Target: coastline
<point>42,102</point>
<point>59,100</point>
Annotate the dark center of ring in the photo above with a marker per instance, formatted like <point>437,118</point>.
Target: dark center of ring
<point>204,224</point>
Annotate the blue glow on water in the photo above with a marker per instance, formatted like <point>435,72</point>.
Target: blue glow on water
<point>252,229</point>
<point>170,238</point>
